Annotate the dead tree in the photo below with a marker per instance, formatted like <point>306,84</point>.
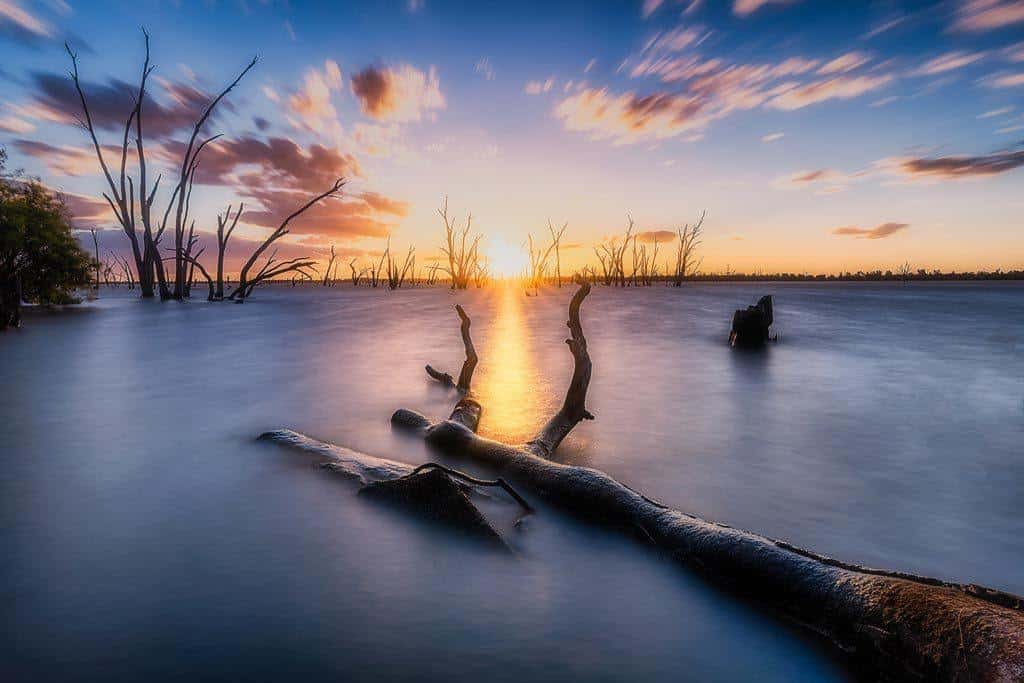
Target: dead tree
<point>398,273</point>
<point>432,273</point>
<point>690,238</point>
<point>556,243</point>
<point>327,272</point>
<point>189,162</point>
<point>606,272</point>
<point>905,271</point>
<point>538,262</point>
<point>612,256</point>
<point>271,269</point>
<point>126,269</point>
<point>895,624</point>
<point>356,274</point>
<point>223,235</point>
<point>375,271</point>
<point>96,247</point>
<point>462,258</point>
<point>123,193</point>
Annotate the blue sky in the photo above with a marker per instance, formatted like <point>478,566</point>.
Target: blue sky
<point>819,136</point>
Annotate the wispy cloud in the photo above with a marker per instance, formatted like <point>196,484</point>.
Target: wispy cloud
<point>742,8</point>
<point>12,124</point>
<point>312,102</point>
<point>772,137</point>
<point>629,117</point>
<point>948,62</point>
<point>884,27</point>
<point>876,233</point>
<point>539,87</point>
<point>20,23</point>
<point>954,167</point>
<point>841,87</point>
<point>992,113</point>
<point>1004,80</point>
<point>985,15</point>
<point>649,7</point>
<point>844,63</point>
<point>484,68</point>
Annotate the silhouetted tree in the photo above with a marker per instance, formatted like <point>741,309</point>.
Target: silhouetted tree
<point>690,238</point>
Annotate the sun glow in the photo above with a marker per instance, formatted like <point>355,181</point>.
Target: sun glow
<point>504,259</point>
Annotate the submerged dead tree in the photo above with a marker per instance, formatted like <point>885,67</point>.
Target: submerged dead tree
<point>222,244</point>
<point>273,268</point>
<point>893,624</point>
<point>462,257</point>
<point>687,264</point>
<point>129,198</point>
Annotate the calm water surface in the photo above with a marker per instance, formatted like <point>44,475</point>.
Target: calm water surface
<point>146,535</point>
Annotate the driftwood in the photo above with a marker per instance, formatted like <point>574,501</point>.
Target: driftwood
<point>894,625</point>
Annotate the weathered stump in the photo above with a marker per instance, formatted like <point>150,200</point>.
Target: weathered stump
<point>750,325</point>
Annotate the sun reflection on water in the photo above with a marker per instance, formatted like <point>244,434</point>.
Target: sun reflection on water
<point>506,387</point>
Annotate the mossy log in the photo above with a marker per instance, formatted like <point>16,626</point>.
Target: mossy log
<point>896,626</point>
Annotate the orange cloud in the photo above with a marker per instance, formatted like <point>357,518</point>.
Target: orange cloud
<point>659,236</point>
<point>402,93</point>
<point>312,103</point>
<point>878,232</point>
<point>742,8</point>
<point>629,117</point>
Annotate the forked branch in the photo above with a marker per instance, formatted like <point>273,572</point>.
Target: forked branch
<point>468,366</point>
<point>574,409</point>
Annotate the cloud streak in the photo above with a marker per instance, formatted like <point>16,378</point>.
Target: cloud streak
<point>876,233</point>
<point>957,167</point>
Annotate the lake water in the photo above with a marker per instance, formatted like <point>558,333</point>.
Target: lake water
<point>147,535</point>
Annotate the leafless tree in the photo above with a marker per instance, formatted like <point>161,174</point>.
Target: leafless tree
<point>273,268</point>
<point>357,274</point>
<point>687,263</point>
<point>124,193</point>
<point>603,258</point>
<point>538,262</point>
<point>126,269</point>
<point>462,257</point>
<point>396,272</point>
<point>223,235</point>
<point>556,242</point>
<point>96,247</point>
<point>905,271</point>
<point>326,282</point>
<point>612,256</point>
<point>432,270</point>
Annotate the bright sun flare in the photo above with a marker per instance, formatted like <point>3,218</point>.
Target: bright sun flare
<point>504,259</point>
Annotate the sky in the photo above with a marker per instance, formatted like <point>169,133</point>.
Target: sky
<point>818,136</point>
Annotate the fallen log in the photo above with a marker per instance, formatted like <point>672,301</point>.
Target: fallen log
<point>894,625</point>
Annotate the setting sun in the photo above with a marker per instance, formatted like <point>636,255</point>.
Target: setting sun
<point>505,260</point>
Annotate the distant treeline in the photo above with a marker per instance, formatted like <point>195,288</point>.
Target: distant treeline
<point>862,276</point>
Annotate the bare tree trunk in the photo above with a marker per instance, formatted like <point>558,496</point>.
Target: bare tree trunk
<point>96,248</point>
<point>893,624</point>
<point>222,244</point>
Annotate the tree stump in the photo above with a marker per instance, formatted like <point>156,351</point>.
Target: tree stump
<point>750,325</point>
